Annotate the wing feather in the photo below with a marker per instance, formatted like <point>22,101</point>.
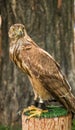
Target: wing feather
<point>47,70</point>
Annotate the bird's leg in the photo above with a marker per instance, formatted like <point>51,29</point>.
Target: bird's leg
<point>35,103</point>
<point>41,104</point>
<point>36,110</point>
<point>38,102</point>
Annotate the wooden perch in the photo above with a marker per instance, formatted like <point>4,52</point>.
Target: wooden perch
<point>44,123</point>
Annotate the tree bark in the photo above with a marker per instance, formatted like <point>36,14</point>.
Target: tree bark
<point>57,123</point>
<point>52,28</point>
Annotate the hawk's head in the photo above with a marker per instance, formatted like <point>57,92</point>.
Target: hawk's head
<point>16,31</point>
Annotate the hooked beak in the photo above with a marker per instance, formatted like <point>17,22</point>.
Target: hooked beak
<point>20,32</point>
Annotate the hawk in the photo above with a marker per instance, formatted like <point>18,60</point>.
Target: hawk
<point>43,71</point>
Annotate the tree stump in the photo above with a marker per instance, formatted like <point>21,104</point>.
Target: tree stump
<point>60,121</point>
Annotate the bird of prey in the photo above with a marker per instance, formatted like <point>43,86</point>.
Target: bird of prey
<point>43,71</point>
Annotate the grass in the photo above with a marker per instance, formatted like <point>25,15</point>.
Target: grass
<point>9,128</point>
<point>73,126</point>
<point>53,111</point>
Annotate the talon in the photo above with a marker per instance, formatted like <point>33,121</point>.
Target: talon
<point>30,108</point>
<point>34,111</point>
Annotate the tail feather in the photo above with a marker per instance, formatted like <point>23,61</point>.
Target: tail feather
<point>69,102</point>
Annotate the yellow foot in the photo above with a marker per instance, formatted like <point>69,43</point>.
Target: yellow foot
<point>34,111</point>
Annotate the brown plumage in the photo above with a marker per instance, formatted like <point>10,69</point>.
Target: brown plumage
<point>43,71</point>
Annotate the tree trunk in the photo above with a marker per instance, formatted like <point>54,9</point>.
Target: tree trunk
<point>50,24</point>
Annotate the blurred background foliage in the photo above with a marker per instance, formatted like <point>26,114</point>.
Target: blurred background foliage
<point>51,25</point>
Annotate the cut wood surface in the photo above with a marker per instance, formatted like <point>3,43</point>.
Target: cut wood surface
<point>56,123</point>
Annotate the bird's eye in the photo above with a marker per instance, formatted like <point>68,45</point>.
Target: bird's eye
<point>22,28</point>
